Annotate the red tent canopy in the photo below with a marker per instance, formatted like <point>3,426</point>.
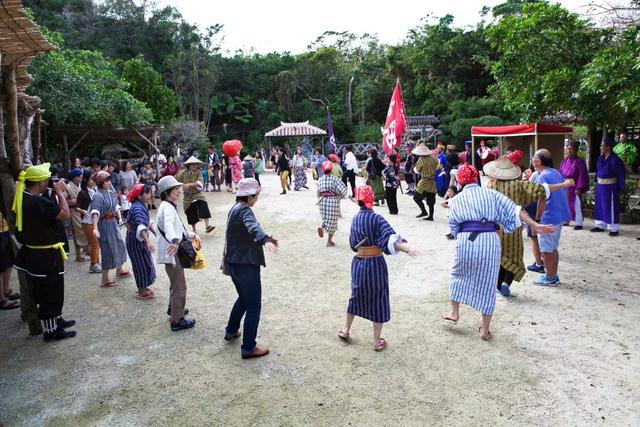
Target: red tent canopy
<point>516,130</point>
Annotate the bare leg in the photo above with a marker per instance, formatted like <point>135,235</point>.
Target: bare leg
<point>330,240</point>
<point>4,280</point>
<point>551,262</point>
<point>193,226</point>
<point>377,330</point>
<point>536,250</point>
<point>79,253</point>
<point>105,277</point>
<point>455,312</point>
<point>347,323</point>
<point>484,330</point>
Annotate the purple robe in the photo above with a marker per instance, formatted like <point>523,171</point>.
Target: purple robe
<point>575,168</point>
<point>607,196</point>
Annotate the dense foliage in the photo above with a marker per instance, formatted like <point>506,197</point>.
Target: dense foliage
<point>531,59</point>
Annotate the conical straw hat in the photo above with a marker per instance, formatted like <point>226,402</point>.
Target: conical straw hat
<point>421,150</point>
<point>502,169</point>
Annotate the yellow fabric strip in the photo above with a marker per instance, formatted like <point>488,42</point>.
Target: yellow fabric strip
<point>59,246</point>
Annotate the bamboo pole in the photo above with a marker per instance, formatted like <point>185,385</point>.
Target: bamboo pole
<point>36,136</point>
<point>12,137</point>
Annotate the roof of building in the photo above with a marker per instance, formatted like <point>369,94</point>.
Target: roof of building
<point>295,129</point>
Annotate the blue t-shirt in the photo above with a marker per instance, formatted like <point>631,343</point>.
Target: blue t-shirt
<point>556,210</point>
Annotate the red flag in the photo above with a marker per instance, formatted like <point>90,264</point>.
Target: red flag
<point>396,122</point>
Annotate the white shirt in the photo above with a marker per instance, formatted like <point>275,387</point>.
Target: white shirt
<point>169,222</point>
<point>350,162</point>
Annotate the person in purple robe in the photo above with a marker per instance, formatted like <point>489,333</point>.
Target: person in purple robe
<point>610,174</point>
<point>575,168</point>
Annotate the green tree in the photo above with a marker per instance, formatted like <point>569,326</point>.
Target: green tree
<point>147,85</point>
<point>82,87</point>
<point>542,51</point>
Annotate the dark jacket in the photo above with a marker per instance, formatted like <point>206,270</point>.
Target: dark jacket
<point>244,238</point>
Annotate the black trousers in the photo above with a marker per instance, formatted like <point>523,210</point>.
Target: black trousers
<point>48,293</point>
<point>391,194</point>
<point>350,176</point>
<point>197,210</point>
<point>504,276</point>
<point>431,201</point>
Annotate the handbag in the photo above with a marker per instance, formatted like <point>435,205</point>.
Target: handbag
<point>186,252</point>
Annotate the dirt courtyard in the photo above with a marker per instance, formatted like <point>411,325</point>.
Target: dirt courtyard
<point>559,356</point>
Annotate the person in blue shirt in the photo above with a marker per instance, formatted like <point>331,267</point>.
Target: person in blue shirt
<point>554,211</point>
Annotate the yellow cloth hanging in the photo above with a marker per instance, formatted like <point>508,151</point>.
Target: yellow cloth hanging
<point>32,173</point>
<point>59,246</point>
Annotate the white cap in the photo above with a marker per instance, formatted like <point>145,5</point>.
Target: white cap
<point>248,187</point>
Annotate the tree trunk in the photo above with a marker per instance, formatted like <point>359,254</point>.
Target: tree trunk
<point>595,138</point>
<point>12,137</point>
<point>349,106</point>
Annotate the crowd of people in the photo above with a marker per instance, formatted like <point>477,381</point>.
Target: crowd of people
<point>95,200</point>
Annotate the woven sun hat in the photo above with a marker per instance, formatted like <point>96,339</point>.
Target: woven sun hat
<point>502,169</point>
<point>451,147</point>
<point>167,183</point>
<point>421,150</point>
<point>192,161</point>
<point>248,187</point>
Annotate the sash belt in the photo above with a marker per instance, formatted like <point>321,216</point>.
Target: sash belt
<point>369,252</point>
<point>607,180</point>
<point>327,194</point>
<point>59,246</point>
<point>477,227</point>
<point>108,216</point>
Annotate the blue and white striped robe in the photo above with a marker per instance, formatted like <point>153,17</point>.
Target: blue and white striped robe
<point>369,276</point>
<point>475,270</point>
<point>144,270</point>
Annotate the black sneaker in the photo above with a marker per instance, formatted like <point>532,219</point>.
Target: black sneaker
<point>186,311</point>
<point>613,233</point>
<point>577,227</point>
<point>429,218</point>
<point>422,214</point>
<point>59,334</point>
<point>182,324</point>
<point>597,230</point>
<point>64,324</point>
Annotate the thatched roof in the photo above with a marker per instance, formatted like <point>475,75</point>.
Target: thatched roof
<point>20,40</point>
<point>295,129</point>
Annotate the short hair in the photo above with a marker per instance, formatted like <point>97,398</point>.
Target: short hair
<point>545,157</point>
<point>393,158</point>
<point>374,153</point>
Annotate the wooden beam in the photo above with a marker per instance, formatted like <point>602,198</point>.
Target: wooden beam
<point>74,146</point>
<point>147,140</point>
<point>12,137</point>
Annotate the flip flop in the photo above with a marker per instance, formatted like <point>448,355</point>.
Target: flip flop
<point>487,338</point>
<point>210,228</point>
<point>124,274</point>
<point>145,296</point>
<point>382,346</point>
<point>320,232</point>
<point>343,335</point>
<point>330,244</point>
<point>449,318</point>
<point>109,284</point>
<point>9,305</point>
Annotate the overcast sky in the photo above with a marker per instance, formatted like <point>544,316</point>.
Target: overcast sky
<point>288,25</point>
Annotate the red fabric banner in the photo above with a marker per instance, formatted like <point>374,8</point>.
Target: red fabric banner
<point>396,122</point>
<point>519,129</point>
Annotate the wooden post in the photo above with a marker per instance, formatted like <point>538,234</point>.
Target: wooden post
<point>12,137</point>
<point>535,137</point>
<point>65,149</point>
<point>35,136</point>
<point>473,150</point>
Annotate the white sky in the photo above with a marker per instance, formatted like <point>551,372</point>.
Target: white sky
<point>287,25</point>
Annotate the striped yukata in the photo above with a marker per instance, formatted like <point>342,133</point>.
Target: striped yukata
<point>369,276</point>
<point>330,205</point>
<point>476,265</point>
<point>114,253</point>
<point>521,193</point>
<point>144,269</point>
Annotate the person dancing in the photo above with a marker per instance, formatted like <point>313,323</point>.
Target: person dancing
<point>330,191</point>
<point>371,236</point>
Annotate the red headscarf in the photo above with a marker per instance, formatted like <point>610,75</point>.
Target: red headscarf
<point>515,157</point>
<point>467,174</point>
<point>333,158</point>
<point>327,166</point>
<point>364,194</point>
<point>135,192</point>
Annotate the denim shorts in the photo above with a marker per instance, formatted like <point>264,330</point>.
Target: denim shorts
<point>550,242</point>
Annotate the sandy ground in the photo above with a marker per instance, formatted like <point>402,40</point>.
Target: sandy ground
<point>559,356</point>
